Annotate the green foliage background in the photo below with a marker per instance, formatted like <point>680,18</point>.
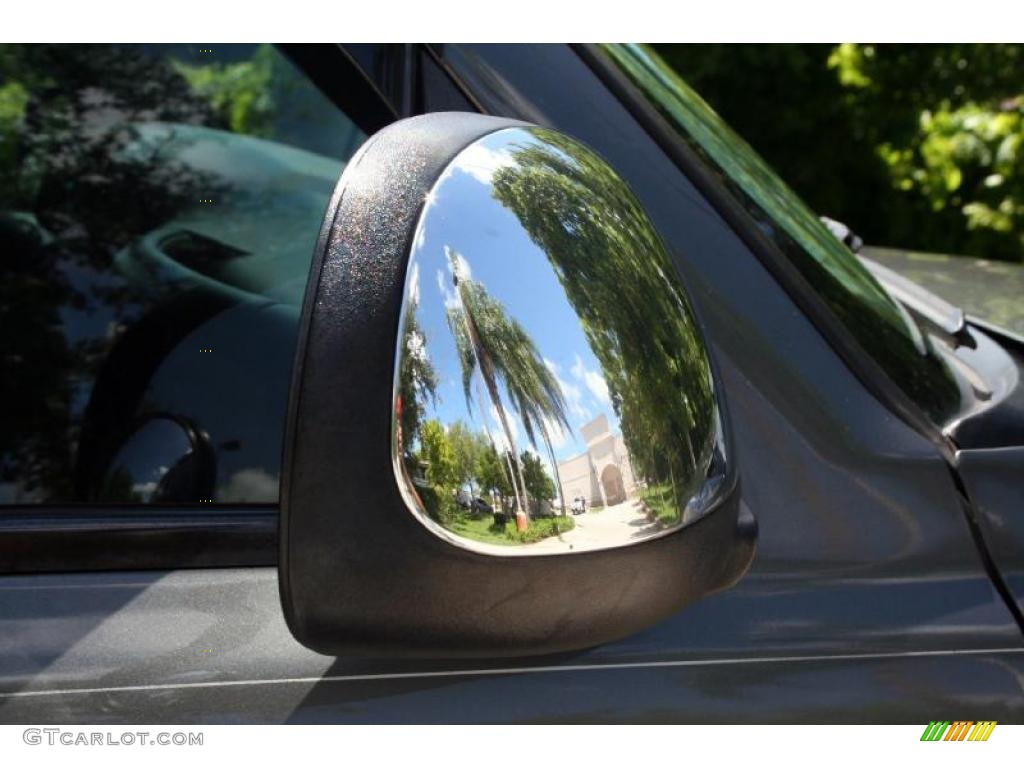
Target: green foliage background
<point>913,146</point>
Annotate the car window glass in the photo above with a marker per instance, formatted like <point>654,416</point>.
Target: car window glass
<point>159,205</point>
<point>879,324</point>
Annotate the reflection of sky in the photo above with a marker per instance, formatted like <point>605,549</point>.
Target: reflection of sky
<point>513,269</point>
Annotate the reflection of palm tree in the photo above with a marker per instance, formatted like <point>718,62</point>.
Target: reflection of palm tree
<point>479,324</point>
<point>508,454</point>
<point>490,341</point>
<point>537,396</point>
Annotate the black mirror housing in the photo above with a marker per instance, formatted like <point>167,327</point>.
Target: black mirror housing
<point>361,570</point>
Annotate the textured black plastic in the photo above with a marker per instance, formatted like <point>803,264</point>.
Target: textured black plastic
<point>359,574</point>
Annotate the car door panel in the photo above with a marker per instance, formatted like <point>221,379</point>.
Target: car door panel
<point>208,646</point>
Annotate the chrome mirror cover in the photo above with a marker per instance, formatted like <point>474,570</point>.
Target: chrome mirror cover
<point>548,360</point>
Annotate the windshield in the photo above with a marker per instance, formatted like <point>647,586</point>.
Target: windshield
<point>879,324</point>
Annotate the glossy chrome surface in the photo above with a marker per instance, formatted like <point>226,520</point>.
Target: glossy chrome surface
<point>552,390</point>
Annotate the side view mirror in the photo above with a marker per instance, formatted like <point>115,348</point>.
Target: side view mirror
<point>843,233</point>
<point>504,435</point>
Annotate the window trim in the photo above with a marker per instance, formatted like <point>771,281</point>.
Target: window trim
<point>84,537</point>
<point>337,76</point>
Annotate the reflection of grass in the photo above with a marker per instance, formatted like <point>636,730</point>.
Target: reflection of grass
<point>662,503</point>
<point>484,530</point>
<point>540,528</point>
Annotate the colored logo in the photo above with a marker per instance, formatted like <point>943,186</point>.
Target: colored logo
<point>961,730</point>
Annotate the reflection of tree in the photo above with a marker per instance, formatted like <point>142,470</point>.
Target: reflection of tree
<point>921,128</point>
<point>537,397</point>
<point>491,473</point>
<point>239,91</point>
<point>442,471</point>
<point>71,196</point>
<point>436,450</point>
<point>491,342</point>
<point>478,465</point>
<point>467,446</point>
<point>455,457</point>
<point>619,281</point>
<point>417,380</point>
<point>481,330</point>
<point>537,479</point>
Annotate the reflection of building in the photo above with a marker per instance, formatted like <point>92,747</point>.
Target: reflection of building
<point>603,474</point>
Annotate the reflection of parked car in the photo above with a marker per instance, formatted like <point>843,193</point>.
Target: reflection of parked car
<point>544,508</point>
<point>480,507</point>
<point>475,505</point>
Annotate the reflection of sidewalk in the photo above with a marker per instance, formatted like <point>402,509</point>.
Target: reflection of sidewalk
<point>612,526</point>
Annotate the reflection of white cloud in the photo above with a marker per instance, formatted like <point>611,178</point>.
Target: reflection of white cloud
<point>595,381</point>
<point>458,270</point>
<point>573,395</point>
<point>250,485</point>
<point>451,300</point>
<point>414,283</point>
<point>481,162</point>
<point>145,490</point>
<point>499,434</point>
<point>457,264</point>
<point>556,434</point>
